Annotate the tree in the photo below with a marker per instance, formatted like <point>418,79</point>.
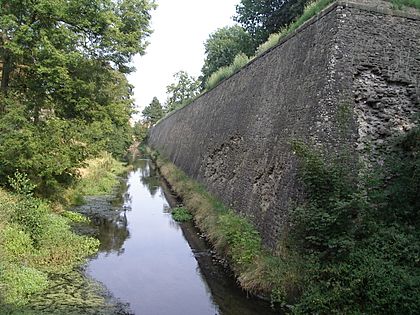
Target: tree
<point>223,45</point>
<point>140,131</point>
<point>63,92</point>
<point>262,18</point>
<point>183,90</point>
<point>153,112</point>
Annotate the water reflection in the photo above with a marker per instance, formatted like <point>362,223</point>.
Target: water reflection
<point>114,232</point>
<point>156,265</point>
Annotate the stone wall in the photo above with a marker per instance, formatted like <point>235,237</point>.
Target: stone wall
<point>235,139</point>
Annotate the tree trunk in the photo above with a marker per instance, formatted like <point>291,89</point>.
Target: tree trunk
<point>5,78</point>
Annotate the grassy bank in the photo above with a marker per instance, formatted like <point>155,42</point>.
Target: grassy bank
<point>36,239</point>
<point>98,177</point>
<point>34,242</point>
<point>273,274</point>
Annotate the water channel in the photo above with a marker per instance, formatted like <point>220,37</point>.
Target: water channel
<point>147,262</point>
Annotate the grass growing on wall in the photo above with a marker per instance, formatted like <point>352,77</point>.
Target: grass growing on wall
<point>239,62</point>
<point>310,11</point>
<point>399,4</point>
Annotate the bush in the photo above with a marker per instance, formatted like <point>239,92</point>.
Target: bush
<point>359,237</point>
<point>181,214</point>
<point>399,4</point>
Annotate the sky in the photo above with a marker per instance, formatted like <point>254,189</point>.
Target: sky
<point>180,29</point>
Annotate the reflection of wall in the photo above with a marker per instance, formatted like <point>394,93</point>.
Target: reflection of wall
<point>235,139</point>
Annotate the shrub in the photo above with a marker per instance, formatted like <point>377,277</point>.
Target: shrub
<point>181,214</point>
<point>359,238</point>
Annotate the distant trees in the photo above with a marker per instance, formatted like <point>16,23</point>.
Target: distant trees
<point>261,18</point>
<point>153,112</point>
<point>223,45</point>
<point>184,89</point>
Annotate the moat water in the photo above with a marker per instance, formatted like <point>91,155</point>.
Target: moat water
<point>147,262</point>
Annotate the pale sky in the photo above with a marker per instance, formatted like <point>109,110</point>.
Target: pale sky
<point>180,29</point>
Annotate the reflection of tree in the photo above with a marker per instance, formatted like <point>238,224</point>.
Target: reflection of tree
<point>113,233</point>
<point>149,176</point>
<point>121,194</point>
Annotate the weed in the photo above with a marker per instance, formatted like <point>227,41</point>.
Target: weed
<point>181,214</point>
<point>239,62</point>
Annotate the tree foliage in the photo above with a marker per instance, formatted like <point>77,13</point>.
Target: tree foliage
<point>262,18</point>
<point>222,46</point>
<point>183,90</point>
<point>153,112</point>
<point>64,95</point>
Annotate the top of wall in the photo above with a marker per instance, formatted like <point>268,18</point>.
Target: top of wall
<point>374,6</point>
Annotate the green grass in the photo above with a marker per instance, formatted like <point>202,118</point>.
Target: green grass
<point>181,214</point>
<point>36,237</point>
<point>400,4</point>
<point>35,242</point>
<point>98,177</point>
<point>239,62</point>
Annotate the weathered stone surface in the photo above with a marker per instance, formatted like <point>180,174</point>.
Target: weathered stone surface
<point>348,77</point>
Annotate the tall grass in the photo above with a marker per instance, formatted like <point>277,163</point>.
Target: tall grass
<point>36,237</point>
<point>224,72</point>
<point>98,177</point>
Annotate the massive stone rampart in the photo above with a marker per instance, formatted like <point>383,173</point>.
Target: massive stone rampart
<point>358,59</point>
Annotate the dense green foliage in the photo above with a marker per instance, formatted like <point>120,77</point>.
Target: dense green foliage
<point>153,112</point>
<point>262,18</point>
<point>359,238</point>
<point>222,46</point>
<point>64,96</point>
<point>34,242</point>
<point>140,132</point>
<point>181,214</point>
